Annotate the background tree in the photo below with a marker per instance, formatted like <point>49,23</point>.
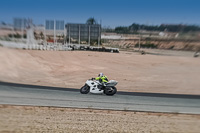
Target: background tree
<point>170,27</point>
<point>91,21</point>
<point>122,30</point>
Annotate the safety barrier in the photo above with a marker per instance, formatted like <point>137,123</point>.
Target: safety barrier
<point>58,47</point>
<point>34,46</point>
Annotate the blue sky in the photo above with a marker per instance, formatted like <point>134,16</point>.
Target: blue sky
<point>112,12</point>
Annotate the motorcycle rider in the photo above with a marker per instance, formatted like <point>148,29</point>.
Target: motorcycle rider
<point>102,78</point>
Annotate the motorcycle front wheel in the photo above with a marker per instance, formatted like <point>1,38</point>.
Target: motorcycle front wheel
<point>110,91</point>
<point>85,89</point>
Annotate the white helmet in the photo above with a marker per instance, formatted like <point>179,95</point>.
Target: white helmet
<point>100,75</point>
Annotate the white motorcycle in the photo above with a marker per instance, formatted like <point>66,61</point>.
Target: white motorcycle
<point>196,54</point>
<point>94,86</point>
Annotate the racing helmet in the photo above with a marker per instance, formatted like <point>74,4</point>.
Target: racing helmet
<point>100,75</point>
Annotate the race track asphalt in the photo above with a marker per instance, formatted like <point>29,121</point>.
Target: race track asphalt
<point>21,94</point>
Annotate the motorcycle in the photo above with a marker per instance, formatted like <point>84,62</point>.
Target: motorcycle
<point>96,87</point>
<point>196,54</point>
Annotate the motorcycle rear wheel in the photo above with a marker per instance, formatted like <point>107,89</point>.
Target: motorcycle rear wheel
<point>110,91</point>
<point>85,89</point>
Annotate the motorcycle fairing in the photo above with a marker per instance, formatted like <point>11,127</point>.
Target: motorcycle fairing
<point>94,87</point>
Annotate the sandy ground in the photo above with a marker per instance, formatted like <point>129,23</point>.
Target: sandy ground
<point>134,72</point>
<point>49,119</point>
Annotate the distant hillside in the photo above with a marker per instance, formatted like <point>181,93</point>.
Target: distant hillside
<point>134,28</point>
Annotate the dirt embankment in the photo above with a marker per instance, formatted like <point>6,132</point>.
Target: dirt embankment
<point>133,71</point>
<point>49,119</point>
<point>160,44</point>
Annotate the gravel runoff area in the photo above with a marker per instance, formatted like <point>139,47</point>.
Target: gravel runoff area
<point>71,120</point>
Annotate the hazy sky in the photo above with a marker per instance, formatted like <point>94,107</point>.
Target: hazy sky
<point>111,12</point>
